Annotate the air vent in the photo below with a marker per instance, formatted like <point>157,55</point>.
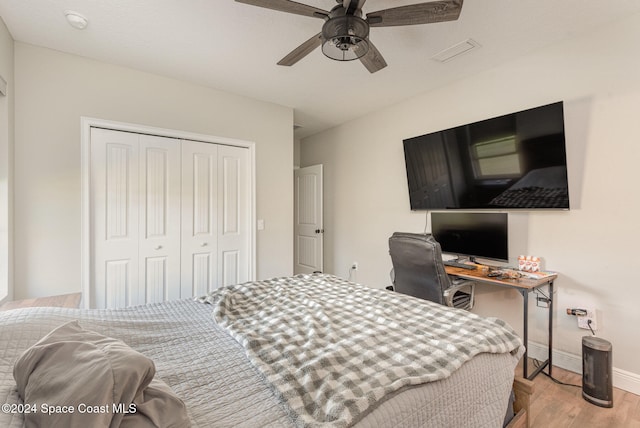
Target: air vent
<point>456,50</point>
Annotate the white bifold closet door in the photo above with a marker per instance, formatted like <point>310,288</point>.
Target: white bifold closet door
<point>214,217</point>
<point>169,218</point>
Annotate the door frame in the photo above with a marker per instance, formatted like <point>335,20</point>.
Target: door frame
<point>86,123</point>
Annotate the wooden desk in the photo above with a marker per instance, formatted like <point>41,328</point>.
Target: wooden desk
<point>524,286</point>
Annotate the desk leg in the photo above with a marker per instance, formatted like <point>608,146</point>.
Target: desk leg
<point>525,362</point>
<point>546,363</point>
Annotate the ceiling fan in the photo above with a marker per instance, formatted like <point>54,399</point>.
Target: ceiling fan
<point>345,33</point>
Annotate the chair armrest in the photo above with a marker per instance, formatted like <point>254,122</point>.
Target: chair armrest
<point>466,286</point>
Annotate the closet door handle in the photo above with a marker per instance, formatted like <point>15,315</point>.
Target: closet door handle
<point>204,244</point>
<point>158,247</point>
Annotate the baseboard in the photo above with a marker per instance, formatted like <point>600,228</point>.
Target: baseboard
<point>622,379</point>
<point>626,380</point>
<point>561,359</point>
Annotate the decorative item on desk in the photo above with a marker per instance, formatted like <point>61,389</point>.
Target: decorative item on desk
<point>504,274</point>
<point>529,263</point>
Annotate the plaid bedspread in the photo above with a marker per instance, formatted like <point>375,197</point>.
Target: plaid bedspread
<point>333,349</point>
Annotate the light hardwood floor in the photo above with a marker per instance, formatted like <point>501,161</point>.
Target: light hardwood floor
<point>63,301</point>
<point>560,406</point>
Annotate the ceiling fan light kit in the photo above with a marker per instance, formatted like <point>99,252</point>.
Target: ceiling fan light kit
<point>345,34</point>
<point>345,38</point>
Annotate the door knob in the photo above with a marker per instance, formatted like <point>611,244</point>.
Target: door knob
<point>204,244</point>
<point>158,247</point>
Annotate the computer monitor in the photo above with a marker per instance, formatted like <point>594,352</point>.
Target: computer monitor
<point>482,235</point>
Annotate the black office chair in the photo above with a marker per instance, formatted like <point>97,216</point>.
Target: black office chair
<point>418,271</point>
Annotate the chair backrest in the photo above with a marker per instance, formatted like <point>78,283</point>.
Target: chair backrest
<point>417,266</point>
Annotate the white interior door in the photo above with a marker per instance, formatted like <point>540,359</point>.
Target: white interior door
<point>200,218</point>
<point>308,229</point>
<point>115,209</point>
<point>159,243</point>
<point>135,189</point>
<point>234,220</point>
<point>216,217</point>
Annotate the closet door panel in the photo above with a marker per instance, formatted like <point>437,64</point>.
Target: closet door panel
<point>159,242</point>
<point>233,245</point>
<point>115,207</point>
<point>199,218</point>
<point>231,271</point>
<point>119,284</point>
<point>156,280</point>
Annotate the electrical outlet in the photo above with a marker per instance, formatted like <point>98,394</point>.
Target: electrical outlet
<point>354,266</point>
<point>583,320</point>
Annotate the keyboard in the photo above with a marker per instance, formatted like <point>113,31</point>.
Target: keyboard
<point>453,263</point>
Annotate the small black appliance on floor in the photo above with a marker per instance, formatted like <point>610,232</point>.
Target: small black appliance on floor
<point>597,385</point>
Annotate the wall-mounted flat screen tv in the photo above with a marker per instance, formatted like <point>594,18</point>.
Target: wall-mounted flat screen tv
<point>515,161</point>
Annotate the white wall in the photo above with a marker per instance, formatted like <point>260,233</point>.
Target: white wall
<point>55,89</point>
<point>6,154</point>
<point>593,247</point>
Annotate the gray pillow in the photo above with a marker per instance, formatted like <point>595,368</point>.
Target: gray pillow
<point>79,378</point>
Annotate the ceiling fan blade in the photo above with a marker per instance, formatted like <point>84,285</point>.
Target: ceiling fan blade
<point>301,51</point>
<point>422,13</point>
<point>373,60</point>
<point>353,5</point>
<point>288,6</point>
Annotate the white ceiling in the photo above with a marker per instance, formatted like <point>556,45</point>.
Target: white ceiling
<point>235,47</point>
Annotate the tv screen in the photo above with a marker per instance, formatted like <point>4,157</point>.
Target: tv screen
<point>483,235</point>
<point>515,161</point>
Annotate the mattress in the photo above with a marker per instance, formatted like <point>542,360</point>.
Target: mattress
<point>209,371</point>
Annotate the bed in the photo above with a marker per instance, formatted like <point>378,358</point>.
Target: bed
<point>239,357</point>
